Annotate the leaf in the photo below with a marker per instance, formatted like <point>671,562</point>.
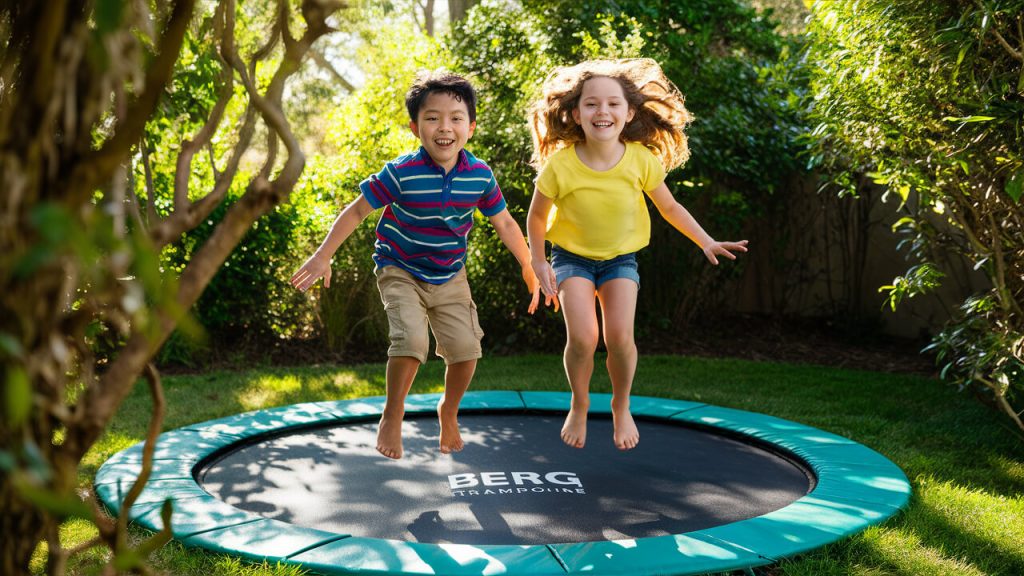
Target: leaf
<point>1015,186</point>
<point>17,396</point>
<point>10,345</point>
<point>969,118</point>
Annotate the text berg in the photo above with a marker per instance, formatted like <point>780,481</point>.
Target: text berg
<point>469,480</point>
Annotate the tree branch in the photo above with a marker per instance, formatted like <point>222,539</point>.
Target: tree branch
<point>98,166</point>
<point>101,401</point>
<point>183,169</point>
<point>156,390</point>
<point>152,218</point>
<point>1017,54</point>
<point>326,65</point>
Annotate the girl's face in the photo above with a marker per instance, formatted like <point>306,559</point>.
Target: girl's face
<point>603,110</point>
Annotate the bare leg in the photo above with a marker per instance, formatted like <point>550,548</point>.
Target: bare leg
<point>581,331</point>
<point>456,381</point>
<point>400,374</point>
<point>618,309</point>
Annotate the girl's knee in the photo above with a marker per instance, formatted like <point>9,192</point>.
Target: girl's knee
<point>581,344</point>
<point>620,343</point>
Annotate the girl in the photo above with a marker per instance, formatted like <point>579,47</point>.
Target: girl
<point>604,133</point>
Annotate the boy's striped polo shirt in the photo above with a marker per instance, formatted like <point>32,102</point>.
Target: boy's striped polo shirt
<point>427,213</point>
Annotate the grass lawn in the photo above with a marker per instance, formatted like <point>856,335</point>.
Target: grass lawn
<point>967,469</point>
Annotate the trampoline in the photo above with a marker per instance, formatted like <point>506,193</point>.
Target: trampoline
<point>709,489</point>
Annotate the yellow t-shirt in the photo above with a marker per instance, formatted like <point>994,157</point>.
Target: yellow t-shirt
<point>600,215</point>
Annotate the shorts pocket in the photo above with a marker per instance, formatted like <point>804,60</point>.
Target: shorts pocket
<point>396,327</point>
<point>477,330</point>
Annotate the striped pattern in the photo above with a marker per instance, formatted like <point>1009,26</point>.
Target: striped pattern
<point>427,213</point>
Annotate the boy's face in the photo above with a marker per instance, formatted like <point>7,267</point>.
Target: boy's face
<point>443,128</point>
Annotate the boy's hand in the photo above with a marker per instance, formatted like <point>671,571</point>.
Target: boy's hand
<point>545,275</point>
<point>716,248</point>
<point>315,268</point>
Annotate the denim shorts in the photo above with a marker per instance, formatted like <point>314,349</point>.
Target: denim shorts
<point>568,265</point>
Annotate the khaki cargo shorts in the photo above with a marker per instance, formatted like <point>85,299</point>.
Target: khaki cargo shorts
<point>448,309</point>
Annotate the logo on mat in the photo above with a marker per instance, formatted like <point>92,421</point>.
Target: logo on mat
<point>495,483</point>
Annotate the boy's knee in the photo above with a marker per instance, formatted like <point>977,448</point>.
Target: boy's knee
<point>458,346</point>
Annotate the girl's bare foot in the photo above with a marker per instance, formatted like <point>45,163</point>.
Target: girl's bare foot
<point>625,435</point>
<point>451,439</point>
<point>574,431</point>
<point>389,437</point>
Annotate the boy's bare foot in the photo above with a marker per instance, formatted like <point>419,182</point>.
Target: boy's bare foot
<point>625,435</point>
<point>389,437</point>
<point>451,439</point>
<point>574,431</point>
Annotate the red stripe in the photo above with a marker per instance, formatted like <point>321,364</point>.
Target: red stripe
<point>428,231</point>
<point>381,191</point>
<point>415,161</point>
<point>457,251</point>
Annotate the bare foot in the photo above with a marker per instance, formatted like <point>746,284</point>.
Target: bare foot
<point>389,437</point>
<point>451,439</point>
<point>574,431</point>
<point>626,436</point>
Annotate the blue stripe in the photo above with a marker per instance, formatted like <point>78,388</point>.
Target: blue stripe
<point>416,199</point>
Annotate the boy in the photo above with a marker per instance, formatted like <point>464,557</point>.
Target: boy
<point>429,198</point>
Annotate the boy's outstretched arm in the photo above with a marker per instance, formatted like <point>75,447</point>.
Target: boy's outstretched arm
<point>512,236</point>
<point>319,264</point>
<point>681,219</point>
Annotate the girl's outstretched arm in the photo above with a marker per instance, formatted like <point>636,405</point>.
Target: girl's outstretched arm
<point>512,236</point>
<point>319,264</point>
<point>536,229</point>
<point>680,218</point>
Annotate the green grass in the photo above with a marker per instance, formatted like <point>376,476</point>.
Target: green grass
<point>966,515</point>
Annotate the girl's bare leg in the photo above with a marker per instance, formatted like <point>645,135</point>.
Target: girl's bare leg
<point>456,381</point>
<point>400,374</point>
<point>581,331</point>
<point>618,310</point>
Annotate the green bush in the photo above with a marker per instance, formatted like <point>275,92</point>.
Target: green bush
<point>926,99</point>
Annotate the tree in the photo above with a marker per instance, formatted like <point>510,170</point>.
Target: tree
<point>457,9</point>
<point>926,100</point>
<point>84,305</point>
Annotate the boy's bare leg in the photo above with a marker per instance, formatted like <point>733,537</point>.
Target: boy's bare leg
<point>618,308</point>
<point>456,381</point>
<point>581,330</point>
<point>400,374</point>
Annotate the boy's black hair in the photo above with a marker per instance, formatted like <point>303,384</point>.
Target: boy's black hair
<point>428,82</point>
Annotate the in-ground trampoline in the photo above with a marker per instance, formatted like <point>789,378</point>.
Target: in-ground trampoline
<point>708,489</point>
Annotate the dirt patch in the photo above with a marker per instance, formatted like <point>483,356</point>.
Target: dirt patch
<point>806,341</point>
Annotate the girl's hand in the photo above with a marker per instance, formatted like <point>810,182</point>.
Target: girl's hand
<point>532,285</point>
<point>716,248</point>
<point>315,268</point>
<point>546,278</point>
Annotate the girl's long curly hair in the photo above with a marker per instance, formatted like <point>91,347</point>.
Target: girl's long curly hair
<point>660,115</point>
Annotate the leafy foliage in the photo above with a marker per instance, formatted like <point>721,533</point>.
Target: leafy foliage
<point>927,100</point>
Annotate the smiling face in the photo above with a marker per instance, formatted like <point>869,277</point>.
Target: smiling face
<point>603,110</point>
<point>443,127</point>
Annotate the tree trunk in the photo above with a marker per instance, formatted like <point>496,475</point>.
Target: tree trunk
<point>457,9</point>
<point>428,17</point>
